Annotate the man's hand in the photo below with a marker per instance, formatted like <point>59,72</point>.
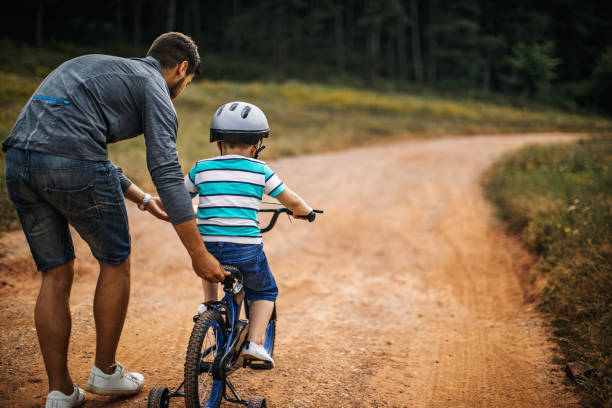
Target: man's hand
<point>204,264</point>
<point>208,268</point>
<point>156,207</point>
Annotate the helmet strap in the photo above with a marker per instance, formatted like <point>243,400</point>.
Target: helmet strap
<point>259,149</point>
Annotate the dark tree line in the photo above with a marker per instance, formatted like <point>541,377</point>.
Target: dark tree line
<point>544,49</point>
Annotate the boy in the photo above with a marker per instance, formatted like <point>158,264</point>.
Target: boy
<point>230,189</point>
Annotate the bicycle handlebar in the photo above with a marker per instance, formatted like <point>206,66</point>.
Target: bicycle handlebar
<point>277,211</point>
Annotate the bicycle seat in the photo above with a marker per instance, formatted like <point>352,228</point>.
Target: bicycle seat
<point>235,276</point>
<point>234,272</point>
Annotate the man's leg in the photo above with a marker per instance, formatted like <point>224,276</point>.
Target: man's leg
<point>110,307</point>
<point>53,324</point>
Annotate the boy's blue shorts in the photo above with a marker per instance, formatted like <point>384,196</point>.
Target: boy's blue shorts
<point>259,284</point>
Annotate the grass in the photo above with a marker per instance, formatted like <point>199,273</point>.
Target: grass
<point>309,118</point>
<point>559,199</point>
<point>303,117</point>
<point>14,92</point>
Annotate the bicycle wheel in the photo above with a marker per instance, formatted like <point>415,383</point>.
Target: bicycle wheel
<point>205,344</point>
<point>158,398</point>
<point>257,402</point>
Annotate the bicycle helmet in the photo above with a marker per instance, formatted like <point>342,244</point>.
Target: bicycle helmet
<point>239,122</point>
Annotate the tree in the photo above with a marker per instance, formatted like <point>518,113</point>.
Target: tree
<point>371,23</point>
<point>137,22</point>
<point>339,37</point>
<point>40,9</point>
<point>602,82</point>
<point>171,16</point>
<point>417,60</point>
<point>197,24</point>
<point>432,45</point>
<point>535,67</point>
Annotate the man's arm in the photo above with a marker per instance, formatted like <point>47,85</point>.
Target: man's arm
<point>204,264</point>
<point>154,206</point>
<point>160,129</point>
<point>133,193</point>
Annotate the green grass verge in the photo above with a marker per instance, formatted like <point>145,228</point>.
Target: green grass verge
<point>559,199</point>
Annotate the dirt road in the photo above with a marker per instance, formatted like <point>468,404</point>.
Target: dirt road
<point>405,293</point>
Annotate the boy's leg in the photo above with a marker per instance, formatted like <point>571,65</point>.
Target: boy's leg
<point>110,307</point>
<point>210,290</point>
<point>53,324</point>
<point>260,312</point>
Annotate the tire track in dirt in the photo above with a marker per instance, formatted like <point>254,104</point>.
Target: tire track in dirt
<point>404,293</point>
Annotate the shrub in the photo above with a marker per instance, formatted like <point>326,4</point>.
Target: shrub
<point>559,199</point>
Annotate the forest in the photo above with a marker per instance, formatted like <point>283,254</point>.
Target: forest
<point>555,51</point>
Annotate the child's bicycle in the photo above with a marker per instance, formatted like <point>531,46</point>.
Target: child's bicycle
<point>216,341</point>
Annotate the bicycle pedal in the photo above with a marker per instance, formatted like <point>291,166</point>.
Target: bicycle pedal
<point>258,364</point>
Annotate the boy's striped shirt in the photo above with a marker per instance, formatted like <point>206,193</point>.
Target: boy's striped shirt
<point>230,189</point>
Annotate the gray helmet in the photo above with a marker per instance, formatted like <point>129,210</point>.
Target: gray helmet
<point>239,122</point>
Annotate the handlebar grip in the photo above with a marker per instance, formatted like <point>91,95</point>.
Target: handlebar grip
<point>310,217</point>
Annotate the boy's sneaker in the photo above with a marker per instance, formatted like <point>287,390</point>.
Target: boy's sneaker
<point>256,352</point>
<point>202,308</point>
<point>118,383</point>
<point>57,399</point>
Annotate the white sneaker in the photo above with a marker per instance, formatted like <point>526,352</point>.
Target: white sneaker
<point>118,383</point>
<point>57,399</point>
<point>256,352</point>
<point>202,308</point>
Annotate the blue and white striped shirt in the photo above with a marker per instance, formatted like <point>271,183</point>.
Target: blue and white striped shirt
<point>230,189</point>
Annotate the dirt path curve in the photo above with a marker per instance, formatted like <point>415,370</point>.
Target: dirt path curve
<point>403,294</point>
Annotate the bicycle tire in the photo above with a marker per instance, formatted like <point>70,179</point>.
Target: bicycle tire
<point>158,398</point>
<point>206,340</point>
<point>256,402</point>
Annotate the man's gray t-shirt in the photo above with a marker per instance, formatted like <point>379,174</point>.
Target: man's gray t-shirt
<point>93,100</point>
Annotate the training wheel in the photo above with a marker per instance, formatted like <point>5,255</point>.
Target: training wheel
<point>257,402</point>
<point>159,398</point>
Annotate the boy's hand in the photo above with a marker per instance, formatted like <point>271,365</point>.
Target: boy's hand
<point>295,204</point>
<point>306,217</point>
<point>156,207</point>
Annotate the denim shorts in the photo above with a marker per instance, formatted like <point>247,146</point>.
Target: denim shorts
<point>49,192</point>
<point>259,284</point>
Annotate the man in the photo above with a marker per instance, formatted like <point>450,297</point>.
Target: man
<point>58,173</point>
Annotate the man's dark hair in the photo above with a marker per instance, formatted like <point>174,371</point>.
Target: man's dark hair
<point>170,49</point>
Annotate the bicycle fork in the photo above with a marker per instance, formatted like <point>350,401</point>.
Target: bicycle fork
<point>231,360</point>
